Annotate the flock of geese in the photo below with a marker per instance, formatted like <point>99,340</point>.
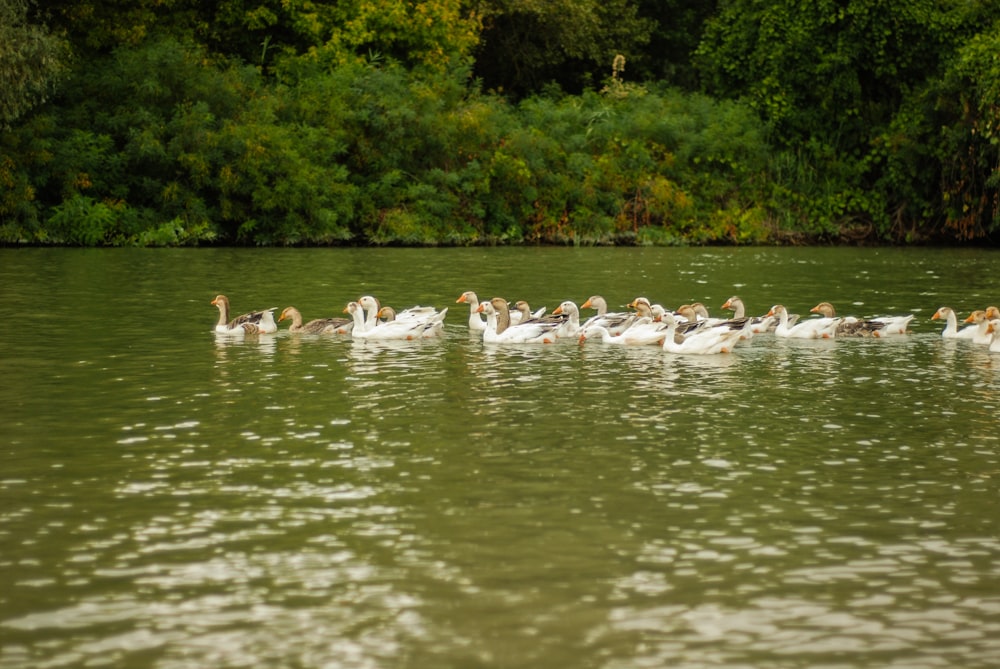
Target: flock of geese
<point>687,330</point>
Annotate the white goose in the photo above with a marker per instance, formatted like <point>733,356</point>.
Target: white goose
<point>814,328</point>
<point>951,330</point>
<point>615,321</point>
<point>703,341</point>
<point>894,325</point>
<point>570,326</point>
<point>640,334</point>
<point>993,329</point>
<point>758,324</point>
<point>980,320</point>
<point>254,322</point>
<point>500,331</point>
<point>431,319</point>
<point>393,330</point>
<point>421,315</point>
<point>476,322</point>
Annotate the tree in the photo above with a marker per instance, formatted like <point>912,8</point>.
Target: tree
<point>837,83</point>
<point>527,44</point>
<point>969,96</point>
<point>31,60</point>
<point>676,33</point>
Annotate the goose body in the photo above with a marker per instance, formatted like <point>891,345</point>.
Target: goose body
<point>316,326</point>
<point>254,322</point>
<point>697,318</point>
<point>614,321</point>
<point>703,341</point>
<point>979,321</point>
<point>851,326</point>
<point>951,330</point>
<point>701,314</point>
<point>813,328</point>
<point>640,334</point>
<point>407,317</point>
<point>993,330</point>
<point>522,313</point>
<point>393,330</point>
<point>758,324</point>
<point>570,325</point>
<point>430,319</point>
<point>499,329</point>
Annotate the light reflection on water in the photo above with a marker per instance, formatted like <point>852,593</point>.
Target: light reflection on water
<point>279,500</point>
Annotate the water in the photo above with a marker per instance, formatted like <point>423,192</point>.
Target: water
<point>170,499</point>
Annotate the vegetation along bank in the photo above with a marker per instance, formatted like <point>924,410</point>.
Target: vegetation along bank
<point>457,122</point>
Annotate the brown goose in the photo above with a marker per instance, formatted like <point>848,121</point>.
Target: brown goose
<point>254,322</point>
<point>316,326</point>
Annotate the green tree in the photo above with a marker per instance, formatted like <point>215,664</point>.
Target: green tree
<point>31,60</point>
<point>969,98</point>
<point>527,44</point>
<point>837,84</point>
<point>676,33</point>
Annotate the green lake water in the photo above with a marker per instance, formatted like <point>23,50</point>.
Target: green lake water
<point>173,499</point>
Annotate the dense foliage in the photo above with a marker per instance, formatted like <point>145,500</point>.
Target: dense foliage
<point>503,121</point>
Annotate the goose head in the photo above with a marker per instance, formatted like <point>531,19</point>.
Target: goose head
<point>567,307</point>
<point>737,306</point>
<point>942,312</point>
<point>824,309</point>
<point>289,312</point>
<point>595,302</point>
<point>467,297</point>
